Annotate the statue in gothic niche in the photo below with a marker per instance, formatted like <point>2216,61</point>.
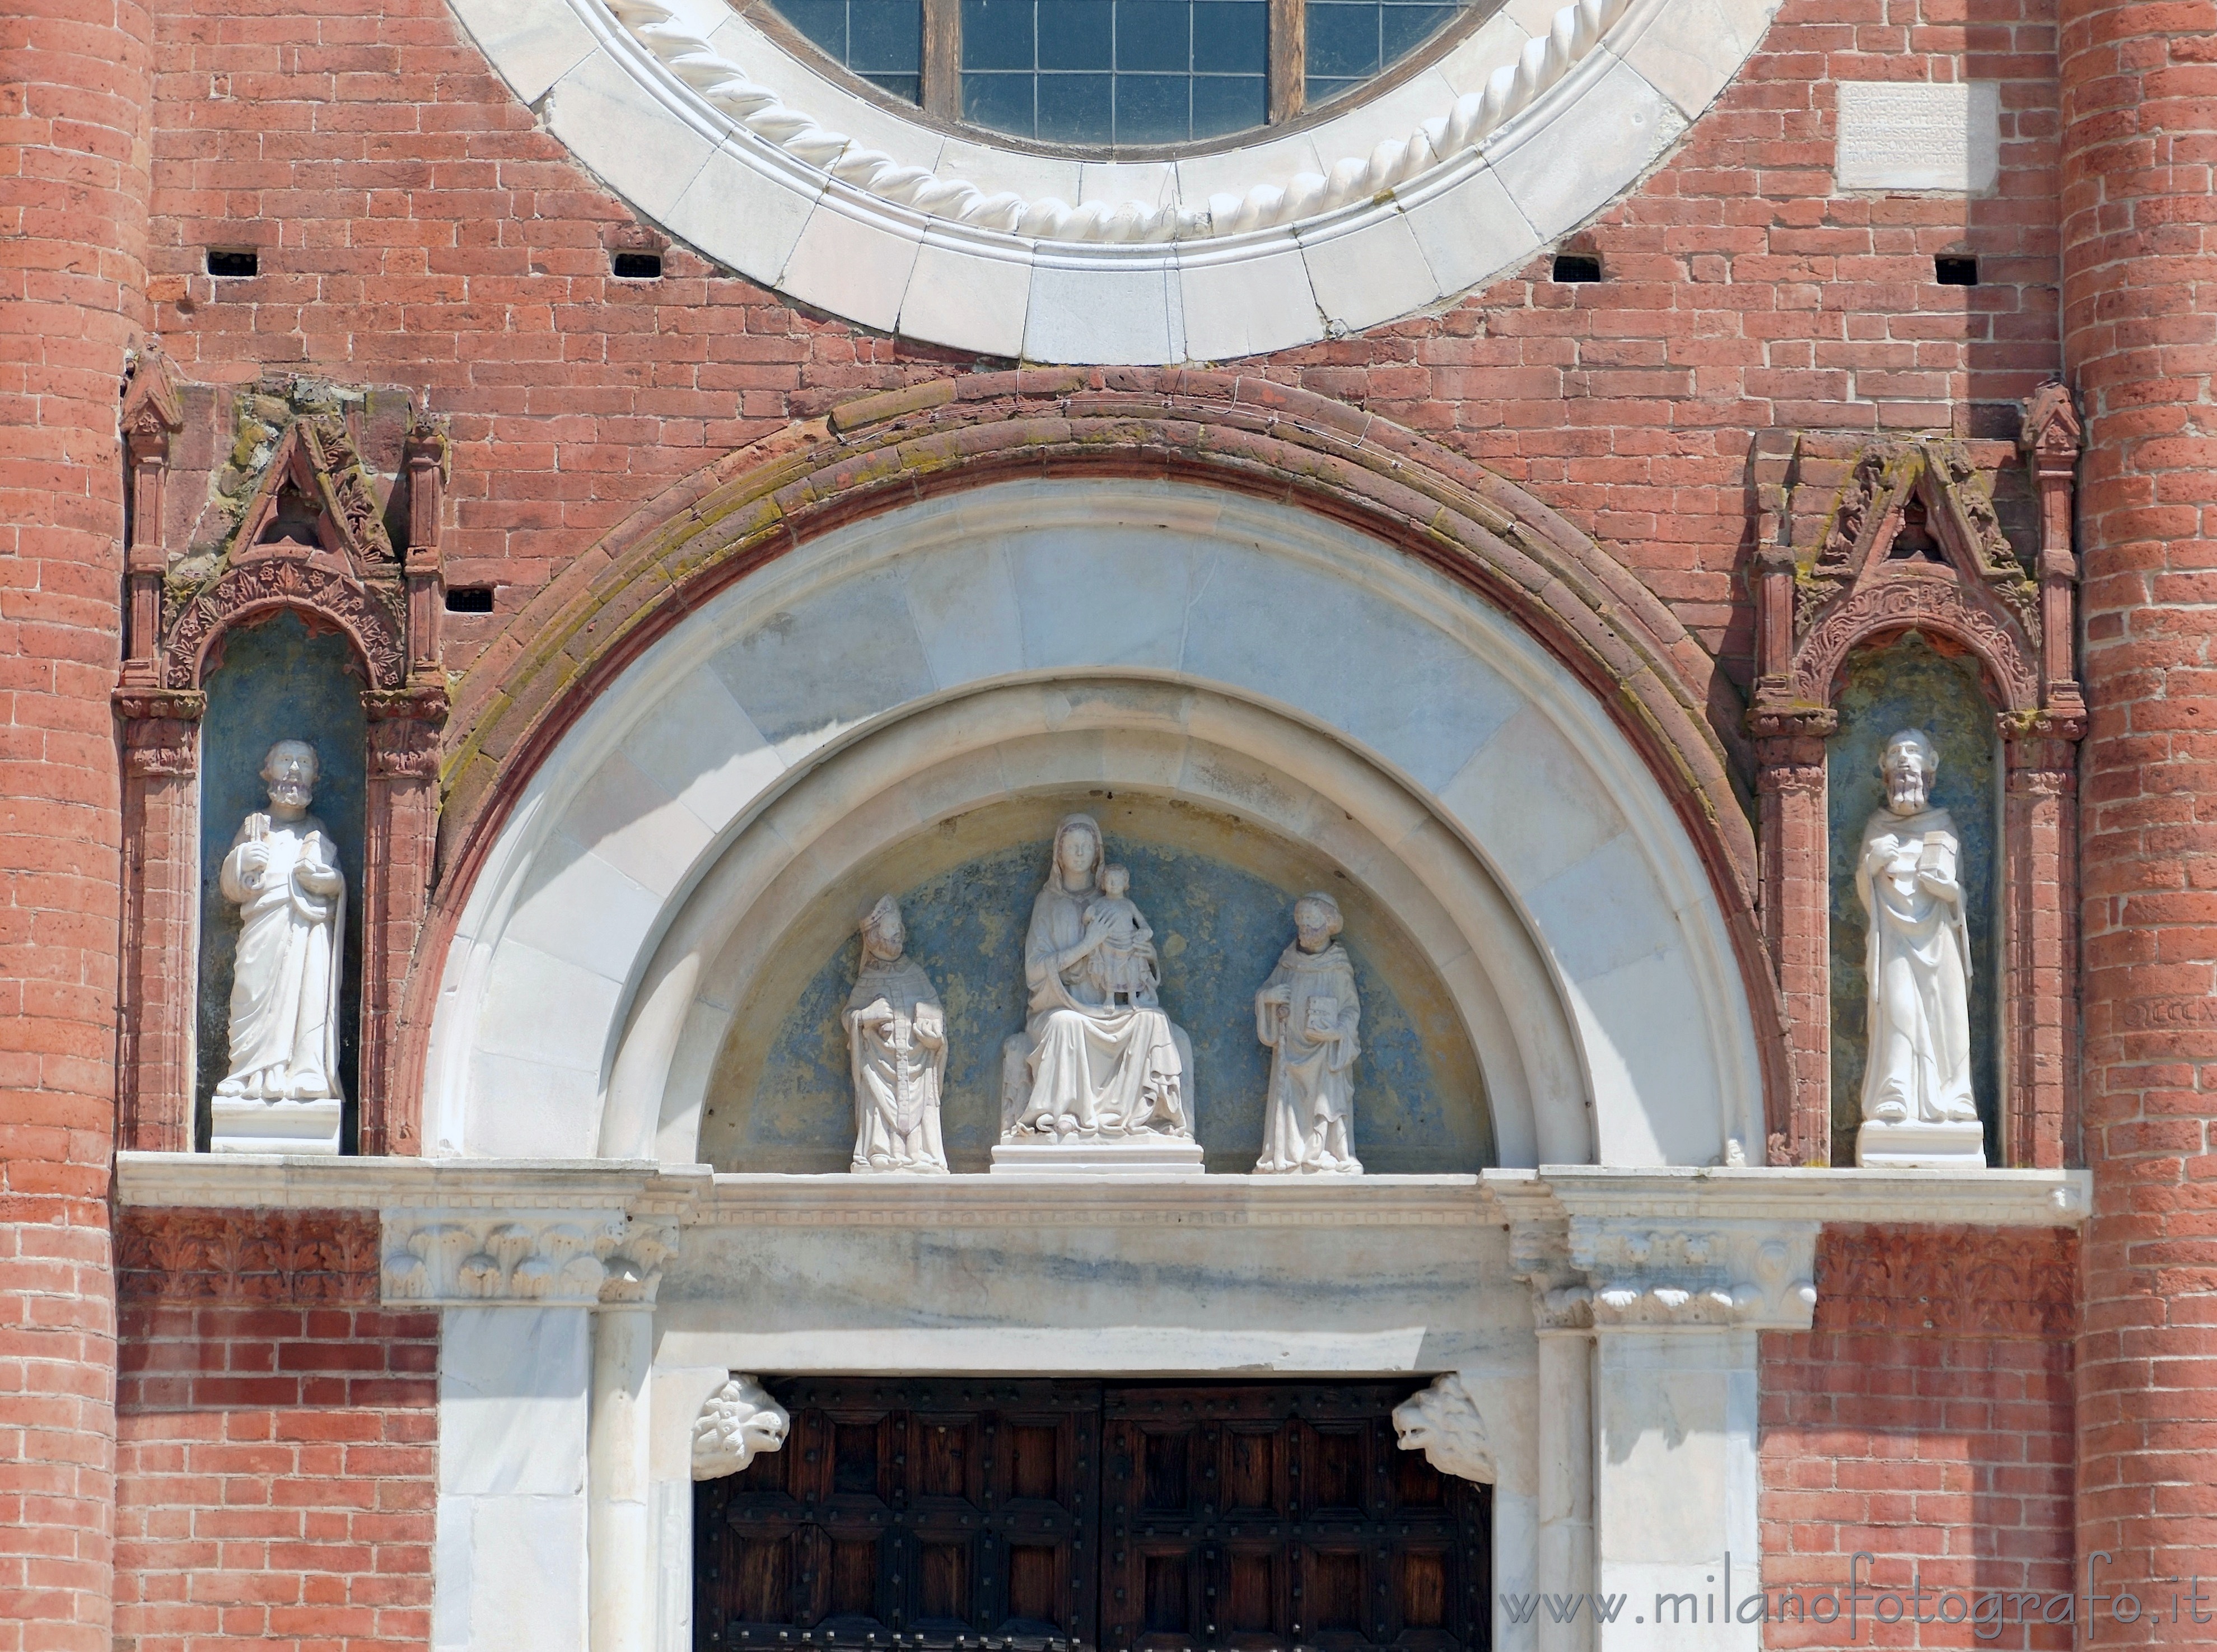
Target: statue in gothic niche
<point>1307,1014</point>
<point>281,1089</point>
<point>896,1046</point>
<point>1917,1101</point>
<point>1086,1067</point>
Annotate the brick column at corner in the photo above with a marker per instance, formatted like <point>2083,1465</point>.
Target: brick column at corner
<point>74,87</point>
<point>2140,236</point>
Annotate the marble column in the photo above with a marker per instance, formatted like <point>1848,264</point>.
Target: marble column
<point>1567,1475</point>
<point>542,1541</point>
<point>621,1541</point>
<point>1562,1308</point>
<point>1678,1307</point>
<point>510,1560</point>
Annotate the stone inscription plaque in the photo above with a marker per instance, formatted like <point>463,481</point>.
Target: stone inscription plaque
<point>1918,136</point>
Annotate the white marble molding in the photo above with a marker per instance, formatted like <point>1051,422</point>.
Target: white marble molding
<point>737,1423</point>
<point>893,673</point>
<point>1445,1424</point>
<point>1532,123</point>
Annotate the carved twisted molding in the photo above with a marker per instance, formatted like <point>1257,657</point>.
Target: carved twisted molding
<point>575,1259</point>
<point>1512,88</point>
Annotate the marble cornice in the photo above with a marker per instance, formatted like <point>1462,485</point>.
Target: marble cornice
<point>1110,1202</point>
<point>288,1181</point>
<point>1982,1198</point>
<point>1513,1199</point>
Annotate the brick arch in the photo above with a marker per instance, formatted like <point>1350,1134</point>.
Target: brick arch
<point>1244,435</point>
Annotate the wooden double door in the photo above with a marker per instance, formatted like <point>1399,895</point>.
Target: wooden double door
<point>1126,1516</point>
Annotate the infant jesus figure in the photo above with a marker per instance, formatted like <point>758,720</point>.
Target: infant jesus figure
<point>1123,965</point>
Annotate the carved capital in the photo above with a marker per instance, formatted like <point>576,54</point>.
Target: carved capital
<point>573,1258</point>
<point>404,726</point>
<point>1756,1276</point>
<point>2034,737</point>
<point>739,1423</point>
<point>1539,1254</point>
<point>161,731</point>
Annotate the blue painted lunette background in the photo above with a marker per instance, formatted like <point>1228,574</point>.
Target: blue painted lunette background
<point>1219,929</point>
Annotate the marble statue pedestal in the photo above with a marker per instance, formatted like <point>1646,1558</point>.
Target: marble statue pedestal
<point>1123,1155</point>
<point>1921,1147</point>
<point>274,1126</point>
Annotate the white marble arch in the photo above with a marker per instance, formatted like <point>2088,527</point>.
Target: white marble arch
<point>585,975</point>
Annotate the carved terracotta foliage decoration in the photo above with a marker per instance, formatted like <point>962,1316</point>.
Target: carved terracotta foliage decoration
<point>246,1256</point>
<point>310,536</point>
<point>1912,540</point>
<point>1959,1281</point>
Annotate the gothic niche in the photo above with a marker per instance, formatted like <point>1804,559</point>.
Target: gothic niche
<point>1915,613</point>
<point>283,780</point>
<point>1084,982</point>
<point>283,594</point>
<point>1898,1088</point>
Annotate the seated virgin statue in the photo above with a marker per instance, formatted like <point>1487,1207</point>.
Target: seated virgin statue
<point>1088,1066</point>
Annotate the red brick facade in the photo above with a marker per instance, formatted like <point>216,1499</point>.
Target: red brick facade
<point>75,119</point>
<point>277,1457</point>
<point>1961,1403</point>
<point>2141,100</point>
<point>1926,1420</point>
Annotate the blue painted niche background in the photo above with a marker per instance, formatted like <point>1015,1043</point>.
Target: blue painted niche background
<point>277,681</point>
<point>1911,685</point>
<point>1220,929</point>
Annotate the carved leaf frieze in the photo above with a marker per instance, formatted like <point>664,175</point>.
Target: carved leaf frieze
<point>576,1259</point>
<point>1953,1280</point>
<point>246,1256</point>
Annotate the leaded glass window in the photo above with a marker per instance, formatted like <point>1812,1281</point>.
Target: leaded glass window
<point>1122,75</point>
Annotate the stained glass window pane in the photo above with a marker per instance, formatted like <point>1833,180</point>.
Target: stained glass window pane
<point>1116,71</point>
<point>1351,40</point>
<point>880,41</point>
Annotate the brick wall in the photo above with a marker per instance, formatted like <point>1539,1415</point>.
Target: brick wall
<point>2140,81</point>
<point>277,1438</point>
<point>75,85</point>
<point>1926,1419</point>
<point>416,228</point>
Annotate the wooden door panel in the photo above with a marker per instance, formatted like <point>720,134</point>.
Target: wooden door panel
<point>1266,1518</point>
<point>1018,1516</point>
<point>937,1513</point>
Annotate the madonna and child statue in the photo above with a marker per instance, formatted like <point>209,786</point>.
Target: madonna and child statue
<point>1100,1080</point>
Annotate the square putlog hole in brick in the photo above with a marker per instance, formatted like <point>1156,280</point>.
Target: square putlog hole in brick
<point>1576,267</point>
<point>233,261</point>
<point>638,266</point>
<point>1955,269</point>
<point>469,599</point>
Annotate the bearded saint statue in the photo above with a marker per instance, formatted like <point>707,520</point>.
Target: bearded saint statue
<point>1918,960</point>
<point>283,873</point>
